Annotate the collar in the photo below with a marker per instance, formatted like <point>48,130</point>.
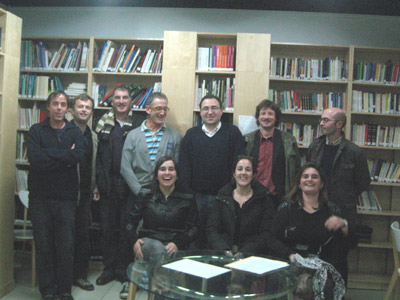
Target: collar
<point>270,138</point>
<point>212,133</point>
<point>144,127</point>
<point>334,143</point>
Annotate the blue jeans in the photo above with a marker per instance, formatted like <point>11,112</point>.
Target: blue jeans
<point>53,231</point>
<point>205,204</point>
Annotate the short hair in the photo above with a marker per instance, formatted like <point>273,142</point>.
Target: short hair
<point>155,185</point>
<point>83,97</point>
<point>210,97</point>
<point>295,195</point>
<point>155,95</point>
<point>54,95</point>
<point>272,105</point>
<point>122,87</point>
<point>340,116</point>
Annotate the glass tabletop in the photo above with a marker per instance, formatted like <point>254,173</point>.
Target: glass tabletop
<point>216,282</point>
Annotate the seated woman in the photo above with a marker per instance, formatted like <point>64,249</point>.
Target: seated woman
<point>168,215</point>
<point>310,225</point>
<point>242,214</point>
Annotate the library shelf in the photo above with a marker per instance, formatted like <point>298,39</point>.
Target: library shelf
<point>383,213</point>
<point>378,245</point>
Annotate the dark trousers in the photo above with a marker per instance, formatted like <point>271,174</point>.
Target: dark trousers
<point>82,244</point>
<point>53,231</point>
<point>205,204</point>
<point>117,254</point>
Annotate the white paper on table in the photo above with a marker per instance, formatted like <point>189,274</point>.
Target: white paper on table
<point>257,265</point>
<point>247,124</point>
<point>196,268</point>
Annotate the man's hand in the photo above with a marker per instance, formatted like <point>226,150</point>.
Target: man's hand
<point>96,196</point>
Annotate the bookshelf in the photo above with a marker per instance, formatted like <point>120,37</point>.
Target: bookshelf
<point>11,27</point>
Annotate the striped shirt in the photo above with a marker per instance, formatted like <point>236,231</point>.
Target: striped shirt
<point>153,140</point>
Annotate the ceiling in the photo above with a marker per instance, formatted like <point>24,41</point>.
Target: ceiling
<point>371,7</point>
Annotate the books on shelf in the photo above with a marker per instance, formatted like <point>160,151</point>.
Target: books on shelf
<point>375,135</point>
<point>75,88</point>
<point>216,58</point>
<point>128,59</point>
<point>384,103</point>
<point>387,72</point>
<point>28,117</point>
<point>368,201</point>
<point>22,180</point>
<point>34,86</point>
<point>310,102</point>
<point>304,133</point>
<point>384,171</point>
<point>223,88</point>
<point>22,155</point>
<point>307,68</point>
<point>70,57</point>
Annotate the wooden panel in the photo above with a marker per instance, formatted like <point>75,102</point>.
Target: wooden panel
<point>12,38</point>
<point>180,50</point>
<point>253,52</point>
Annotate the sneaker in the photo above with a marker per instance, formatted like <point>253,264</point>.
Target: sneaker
<point>105,277</point>
<point>84,284</point>
<point>125,291</point>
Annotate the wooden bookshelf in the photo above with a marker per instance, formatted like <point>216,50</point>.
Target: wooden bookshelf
<point>11,27</point>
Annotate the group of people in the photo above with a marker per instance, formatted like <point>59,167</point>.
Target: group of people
<point>211,189</point>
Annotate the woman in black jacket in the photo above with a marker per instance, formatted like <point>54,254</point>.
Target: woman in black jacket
<point>241,217</point>
<point>168,215</point>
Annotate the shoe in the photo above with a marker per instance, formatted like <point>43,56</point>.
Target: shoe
<point>105,278</point>
<point>125,291</point>
<point>66,296</point>
<point>84,284</point>
<point>49,297</point>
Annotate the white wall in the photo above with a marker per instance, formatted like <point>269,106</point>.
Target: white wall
<point>133,22</point>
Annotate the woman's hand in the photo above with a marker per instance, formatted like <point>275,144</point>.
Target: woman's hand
<point>138,249</point>
<point>335,223</point>
<point>171,248</point>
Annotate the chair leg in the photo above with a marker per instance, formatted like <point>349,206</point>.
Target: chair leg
<point>391,284</point>
<point>132,291</point>
<point>33,264</point>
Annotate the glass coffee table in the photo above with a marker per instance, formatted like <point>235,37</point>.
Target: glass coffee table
<point>157,277</point>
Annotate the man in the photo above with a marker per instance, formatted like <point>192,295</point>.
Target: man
<point>206,157</point>
<point>82,111</point>
<point>147,143</point>
<point>275,152</point>
<point>343,163</point>
<point>55,147</point>
<point>112,130</point>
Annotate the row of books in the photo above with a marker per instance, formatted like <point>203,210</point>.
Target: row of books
<point>304,134</point>
<point>384,171</point>
<point>223,88</point>
<point>311,102</point>
<point>377,72</point>
<point>125,59</point>
<point>21,155</point>
<point>216,58</point>
<point>312,69</point>
<point>75,88</point>
<point>139,95</point>
<point>34,86</point>
<point>368,201</point>
<point>385,103</point>
<point>28,117</point>
<point>69,57</point>
<point>22,180</point>
<point>375,135</point>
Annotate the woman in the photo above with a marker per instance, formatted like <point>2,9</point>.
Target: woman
<point>309,225</point>
<point>241,217</point>
<point>168,215</point>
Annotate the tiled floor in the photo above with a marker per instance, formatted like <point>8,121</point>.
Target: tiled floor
<point>24,291</point>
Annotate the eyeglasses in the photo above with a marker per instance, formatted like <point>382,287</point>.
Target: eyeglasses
<point>159,108</point>
<point>213,108</point>
<point>326,120</point>
<point>122,98</point>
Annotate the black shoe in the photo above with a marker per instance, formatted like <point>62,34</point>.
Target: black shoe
<point>105,278</point>
<point>84,284</point>
<point>66,296</point>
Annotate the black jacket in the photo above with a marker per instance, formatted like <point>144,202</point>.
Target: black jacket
<point>350,174</point>
<point>167,220</point>
<point>254,232</point>
<point>53,172</point>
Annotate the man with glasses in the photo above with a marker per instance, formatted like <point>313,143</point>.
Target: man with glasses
<point>206,158</point>
<point>146,144</point>
<point>344,164</point>
<point>112,130</point>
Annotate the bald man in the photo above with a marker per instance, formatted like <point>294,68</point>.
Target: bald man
<point>344,164</point>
